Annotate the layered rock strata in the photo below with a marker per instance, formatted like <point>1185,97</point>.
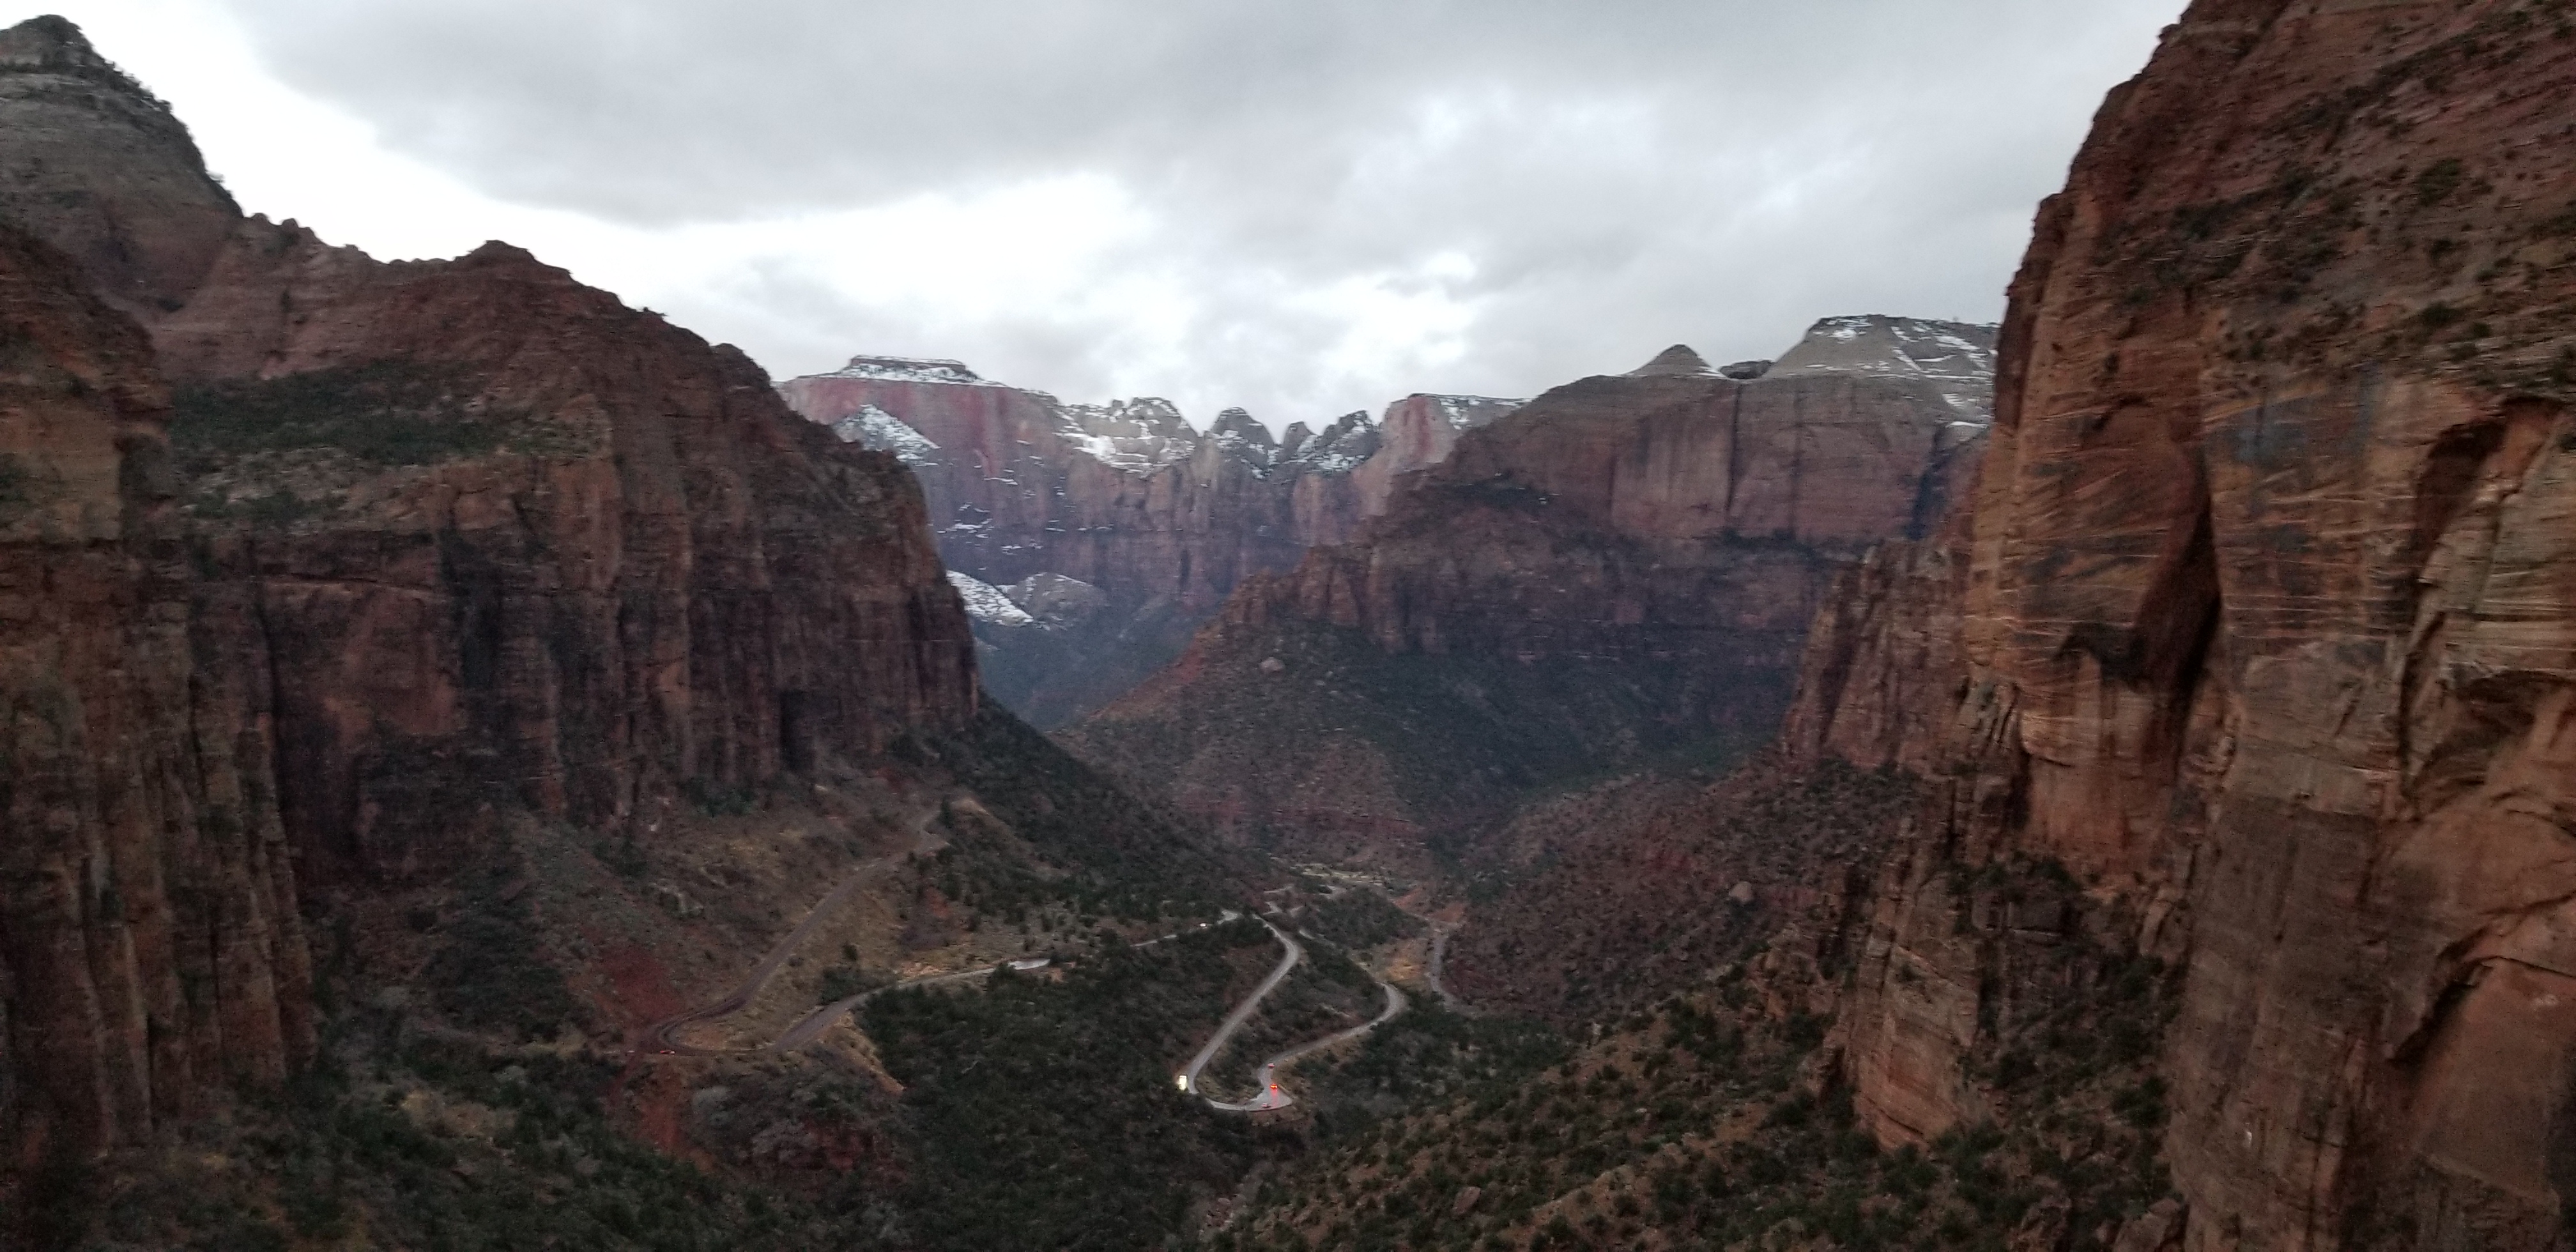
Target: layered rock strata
<point>1624,567</point>
<point>598,560</point>
<point>149,937</point>
<point>431,548</point>
<point>2264,629</point>
<point>105,172</point>
<point>1128,498</point>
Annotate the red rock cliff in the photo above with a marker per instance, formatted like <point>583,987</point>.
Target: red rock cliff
<point>148,925</point>
<point>429,543</point>
<point>1127,498</point>
<point>646,572</point>
<point>1623,567</point>
<point>2265,626</point>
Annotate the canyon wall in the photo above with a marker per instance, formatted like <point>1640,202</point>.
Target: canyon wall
<point>1157,518</point>
<point>150,947</point>
<point>2262,631</point>
<point>1621,569</point>
<point>429,548</point>
<point>575,561</point>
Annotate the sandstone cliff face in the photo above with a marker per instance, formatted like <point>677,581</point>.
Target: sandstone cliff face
<point>1418,432</point>
<point>149,937</point>
<point>1128,498</point>
<point>102,170</point>
<point>432,549</point>
<point>2265,626</point>
<point>1623,568</point>
<point>1882,673</point>
<point>614,565</point>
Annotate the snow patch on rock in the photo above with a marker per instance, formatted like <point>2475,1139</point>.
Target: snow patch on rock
<point>874,428</point>
<point>906,369</point>
<point>986,603</point>
<point>1957,358</point>
<point>1138,436</point>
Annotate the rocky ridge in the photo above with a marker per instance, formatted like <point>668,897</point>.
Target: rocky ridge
<point>436,558</point>
<point>1622,569</point>
<point>1162,519</point>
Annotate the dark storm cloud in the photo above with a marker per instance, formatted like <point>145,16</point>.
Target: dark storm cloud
<point>1616,175</point>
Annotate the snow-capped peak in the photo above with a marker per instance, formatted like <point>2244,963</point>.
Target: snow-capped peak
<point>1139,436</point>
<point>905,369</point>
<point>1958,358</point>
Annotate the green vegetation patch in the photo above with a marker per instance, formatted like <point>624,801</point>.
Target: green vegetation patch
<point>1112,853</point>
<point>385,414</point>
<point>402,1139</point>
<point>1359,919</point>
<point>1044,1109</point>
<point>1704,1122</point>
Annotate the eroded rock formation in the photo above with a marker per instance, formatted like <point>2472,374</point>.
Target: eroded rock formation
<point>1162,519</point>
<point>102,170</point>
<point>2265,629</point>
<point>1623,567</point>
<point>431,547</point>
<point>598,559</point>
<point>150,947</point>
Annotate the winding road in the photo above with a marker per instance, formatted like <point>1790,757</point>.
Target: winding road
<point>661,1037</point>
<point>1449,1000</point>
<point>1271,1097</point>
<point>1189,1076</point>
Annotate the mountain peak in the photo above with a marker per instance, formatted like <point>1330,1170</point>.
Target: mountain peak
<point>1958,358</point>
<point>1678,359</point>
<point>49,41</point>
<point>99,167</point>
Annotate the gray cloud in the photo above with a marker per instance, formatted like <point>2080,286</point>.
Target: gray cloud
<point>1620,175</point>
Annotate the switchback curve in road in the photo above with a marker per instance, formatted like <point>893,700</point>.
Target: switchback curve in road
<point>1269,1095</point>
<point>659,1037</point>
<point>1189,1075</point>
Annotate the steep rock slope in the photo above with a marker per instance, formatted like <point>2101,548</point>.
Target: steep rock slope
<point>488,539</point>
<point>1620,570</point>
<point>505,542</point>
<point>1127,498</point>
<point>148,927</point>
<point>103,171</point>
<point>2265,629</point>
<point>432,548</point>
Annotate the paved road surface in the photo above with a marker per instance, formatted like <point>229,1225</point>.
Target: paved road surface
<point>1270,1096</point>
<point>661,1036</point>
<point>812,1025</point>
<point>1189,1077</point>
<point>1431,973</point>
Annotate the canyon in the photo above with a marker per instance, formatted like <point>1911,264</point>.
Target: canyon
<point>1092,540</point>
<point>1619,572</point>
<point>2232,705</point>
<point>2099,782</point>
<point>346,589</point>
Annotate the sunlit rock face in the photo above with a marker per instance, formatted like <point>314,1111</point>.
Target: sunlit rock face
<point>1129,498</point>
<point>2265,627</point>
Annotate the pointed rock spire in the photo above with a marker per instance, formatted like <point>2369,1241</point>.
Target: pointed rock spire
<point>1677,359</point>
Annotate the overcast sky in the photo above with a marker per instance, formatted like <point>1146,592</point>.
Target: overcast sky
<point>1299,206</point>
